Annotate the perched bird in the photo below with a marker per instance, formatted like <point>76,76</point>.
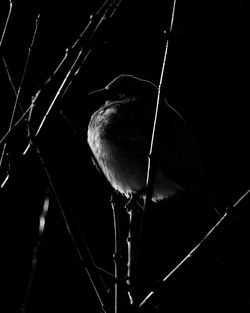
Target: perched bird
<point>119,135</point>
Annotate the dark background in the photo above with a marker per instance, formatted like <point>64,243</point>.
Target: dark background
<point>206,79</point>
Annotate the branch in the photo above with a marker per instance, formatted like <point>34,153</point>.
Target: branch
<point>190,254</point>
<point>151,167</point>
<point>6,23</point>
<point>79,52</point>
<point>18,92</point>
<point>42,220</point>
<point>94,278</point>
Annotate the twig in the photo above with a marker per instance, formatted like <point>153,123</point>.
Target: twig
<point>116,251</point>
<point>109,7</point>
<point>18,92</point>
<point>190,254</point>
<point>92,276</point>
<point>9,76</point>
<point>134,212</point>
<point>81,48</point>
<point>112,5</point>
<point>5,137</point>
<point>42,220</point>
<point>6,23</point>
<point>1,42</point>
<point>130,255</point>
<point>151,167</point>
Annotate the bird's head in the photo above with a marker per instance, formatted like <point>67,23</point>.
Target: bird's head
<point>124,87</point>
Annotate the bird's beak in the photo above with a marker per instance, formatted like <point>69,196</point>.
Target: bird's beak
<point>98,97</point>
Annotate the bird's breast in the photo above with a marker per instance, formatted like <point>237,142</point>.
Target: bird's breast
<point>123,157</point>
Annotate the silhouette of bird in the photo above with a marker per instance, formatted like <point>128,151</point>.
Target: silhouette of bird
<point>119,135</point>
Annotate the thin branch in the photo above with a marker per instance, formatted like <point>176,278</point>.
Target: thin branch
<point>116,251</point>
<point>13,125</point>
<point>202,241</point>
<point>24,70</point>
<point>46,202</point>
<point>42,220</point>
<point>16,124</point>
<point>90,275</point>
<point>23,117</point>
<point>81,49</point>
<point>1,42</point>
<point>9,76</point>
<point>6,23</point>
<point>58,93</point>
<point>130,255</point>
<point>151,167</point>
<point>20,86</point>
<point>109,8</point>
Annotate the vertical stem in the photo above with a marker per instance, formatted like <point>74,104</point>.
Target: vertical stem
<point>134,212</point>
<point>117,257</point>
<point>116,245</point>
<point>151,167</point>
<point>129,261</point>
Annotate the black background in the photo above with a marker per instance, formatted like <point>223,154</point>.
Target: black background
<point>206,79</point>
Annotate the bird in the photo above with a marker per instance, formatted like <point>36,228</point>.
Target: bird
<point>119,135</point>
